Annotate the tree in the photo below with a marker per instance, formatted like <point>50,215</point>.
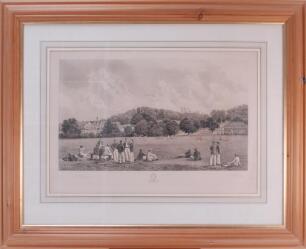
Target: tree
<point>212,124</point>
<point>70,128</point>
<point>128,131</point>
<point>188,125</point>
<point>170,127</point>
<point>218,116</point>
<point>142,116</point>
<point>203,121</point>
<point>197,124</point>
<point>148,117</point>
<point>161,114</point>
<point>141,128</point>
<point>121,119</point>
<point>110,129</point>
<point>239,113</point>
<point>136,118</point>
<point>154,129</point>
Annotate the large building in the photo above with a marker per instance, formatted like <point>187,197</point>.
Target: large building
<point>232,128</point>
<point>91,127</point>
<point>122,127</point>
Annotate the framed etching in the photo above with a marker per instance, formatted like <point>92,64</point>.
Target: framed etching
<point>150,133</point>
<point>152,125</point>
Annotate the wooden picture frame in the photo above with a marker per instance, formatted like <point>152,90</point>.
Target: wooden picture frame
<point>14,14</point>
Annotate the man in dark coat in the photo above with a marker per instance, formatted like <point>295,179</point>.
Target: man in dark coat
<point>120,148</point>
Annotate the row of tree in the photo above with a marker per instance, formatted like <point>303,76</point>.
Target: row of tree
<point>70,128</point>
<point>143,123</point>
<point>143,127</point>
<point>239,113</point>
<point>156,122</point>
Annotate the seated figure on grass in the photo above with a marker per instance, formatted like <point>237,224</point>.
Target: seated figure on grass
<point>82,155</point>
<point>70,157</point>
<point>235,162</point>
<point>82,152</point>
<point>196,155</point>
<point>95,154</point>
<point>187,154</point>
<point>141,156</point>
<point>151,156</point>
<point>107,154</point>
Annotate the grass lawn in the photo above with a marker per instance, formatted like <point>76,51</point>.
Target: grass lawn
<point>166,148</point>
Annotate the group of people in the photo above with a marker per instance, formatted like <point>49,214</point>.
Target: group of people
<point>215,156</point>
<point>195,156</point>
<point>119,152</point>
<point>122,152</point>
<point>149,156</point>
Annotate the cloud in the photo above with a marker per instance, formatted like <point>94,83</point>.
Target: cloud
<point>196,82</point>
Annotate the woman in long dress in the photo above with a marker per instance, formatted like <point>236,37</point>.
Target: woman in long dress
<point>107,153</point>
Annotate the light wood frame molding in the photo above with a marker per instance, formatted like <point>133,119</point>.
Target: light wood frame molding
<point>14,14</point>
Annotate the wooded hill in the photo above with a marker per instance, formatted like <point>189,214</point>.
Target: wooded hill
<point>152,122</point>
<point>146,121</point>
<point>239,113</point>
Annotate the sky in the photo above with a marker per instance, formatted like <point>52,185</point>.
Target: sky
<point>103,83</point>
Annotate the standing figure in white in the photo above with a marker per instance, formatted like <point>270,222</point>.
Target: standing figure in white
<point>127,151</point>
